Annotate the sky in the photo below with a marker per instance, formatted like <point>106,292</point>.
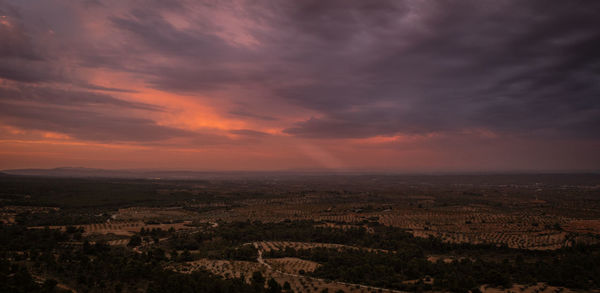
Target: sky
<point>406,86</point>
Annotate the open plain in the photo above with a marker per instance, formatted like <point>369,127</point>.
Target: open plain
<point>315,233</point>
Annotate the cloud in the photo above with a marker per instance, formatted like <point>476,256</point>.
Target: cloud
<point>61,97</point>
<point>87,125</point>
<point>530,70</point>
<point>83,115</point>
<point>312,69</point>
<point>14,40</point>
<point>392,67</point>
<point>252,115</point>
<point>249,132</point>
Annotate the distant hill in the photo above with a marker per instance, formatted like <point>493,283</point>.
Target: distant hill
<point>81,172</point>
<point>325,176</point>
<point>71,172</point>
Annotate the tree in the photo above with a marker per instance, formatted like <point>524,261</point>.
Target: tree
<point>186,255</point>
<point>257,280</point>
<point>49,285</point>
<point>286,286</point>
<point>273,286</point>
<point>174,255</point>
<point>134,241</point>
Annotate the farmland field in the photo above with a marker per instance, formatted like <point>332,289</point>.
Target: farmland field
<point>309,233</point>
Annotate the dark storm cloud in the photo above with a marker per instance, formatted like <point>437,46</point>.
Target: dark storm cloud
<point>246,114</point>
<point>338,21</point>
<point>29,71</point>
<point>87,125</point>
<point>186,79</point>
<point>40,94</point>
<point>20,60</point>
<point>156,33</point>
<point>60,97</point>
<point>108,89</point>
<point>523,67</point>
<point>199,59</point>
<point>82,115</point>
<point>15,42</point>
<point>248,132</point>
<point>368,69</point>
<point>360,69</point>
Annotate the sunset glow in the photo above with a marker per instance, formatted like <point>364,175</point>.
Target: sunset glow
<point>419,86</point>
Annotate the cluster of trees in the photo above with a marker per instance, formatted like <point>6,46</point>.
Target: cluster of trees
<point>244,252</point>
<point>149,235</point>
<point>198,281</point>
<point>402,257</point>
<point>17,279</point>
<point>389,238</point>
<point>95,267</point>
<point>78,192</point>
<point>577,267</point>
<point>63,217</point>
<point>111,193</point>
<point>19,238</point>
<point>211,246</point>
